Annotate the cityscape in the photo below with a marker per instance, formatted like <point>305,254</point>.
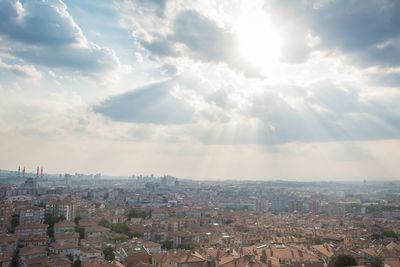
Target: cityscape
<point>207,133</point>
<point>146,220</point>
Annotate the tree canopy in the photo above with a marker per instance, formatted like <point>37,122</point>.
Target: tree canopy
<point>344,260</point>
<point>109,253</point>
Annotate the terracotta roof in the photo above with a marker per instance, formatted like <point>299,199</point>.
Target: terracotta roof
<point>92,229</point>
<point>65,224</point>
<point>392,263</point>
<point>26,251</point>
<point>100,263</point>
<point>67,235</point>
<point>31,226</point>
<point>326,250</point>
<point>9,238</point>
<point>93,240</point>
<point>64,245</point>
<point>5,256</point>
<point>185,257</point>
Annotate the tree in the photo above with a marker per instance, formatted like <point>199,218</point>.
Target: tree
<point>121,228</point>
<point>344,260</point>
<point>377,262</point>
<point>121,238</point>
<point>167,244</point>
<point>81,231</point>
<point>105,223</point>
<point>317,241</point>
<point>109,253</point>
<point>137,234</point>
<point>77,219</point>
<point>50,220</point>
<point>136,214</point>
<point>77,263</point>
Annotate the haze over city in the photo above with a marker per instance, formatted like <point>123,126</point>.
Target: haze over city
<point>298,90</point>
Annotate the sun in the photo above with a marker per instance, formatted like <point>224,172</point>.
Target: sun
<point>259,42</point>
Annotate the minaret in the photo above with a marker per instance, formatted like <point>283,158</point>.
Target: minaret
<point>37,172</point>
<point>23,172</point>
<point>41,172</point>
<point>19,171</point>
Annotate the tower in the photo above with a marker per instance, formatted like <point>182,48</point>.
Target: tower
<point>23,172</point>
<point>19,171</point>
<point>41,172</point>
<point>37,172</point>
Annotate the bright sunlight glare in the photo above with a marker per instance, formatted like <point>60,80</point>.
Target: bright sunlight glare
<point>258,40</point>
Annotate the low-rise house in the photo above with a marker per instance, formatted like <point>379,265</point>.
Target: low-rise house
<point>29,229</point>
<point>152,247</point>
<point>53,260</point>
<point>90,253</point>
<point>34,240</point>
<point>5,258</point>
<point>65,248</point>
<point>96,242</point>
<point>185,259</point>
<point>9,242</point>
<point>96,231</point>
<point>71,237</point>
<point>117,219</point>
<point>63,227</point>
<point>31,253</point>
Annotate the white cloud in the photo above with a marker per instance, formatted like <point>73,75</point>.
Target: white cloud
<point>25,71</point>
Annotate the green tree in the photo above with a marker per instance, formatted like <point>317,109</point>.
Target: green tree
<point>389,233</point>
<point>121,238</point>
<point>136,214</point>
<point>51,221</point>
<point>109,253</point>
<point>81,231</point>
<point>167,244</point>
<point>377,262</point>
<point>317,241</point>
<point>137,234</point>
<point>376,236</point>
<point>121,228</point>
<point>344,260</point>
<point>105,223</point>
<point>77,219</point>
<point>76,263</point>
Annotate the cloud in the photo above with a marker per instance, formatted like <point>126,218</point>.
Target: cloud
<point>366,30</point>
<point>44,33</point>
<point>24,71</point>
<point>207,42</point>
<point>330,113</point>
<point>150,104</point>
<point>179,32</point>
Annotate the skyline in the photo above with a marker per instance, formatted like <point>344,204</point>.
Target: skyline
<point>210,90</point>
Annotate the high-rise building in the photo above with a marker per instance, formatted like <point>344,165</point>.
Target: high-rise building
<point>31,215</point>
<point>6,212</point>
<point>61,208</point>
<point>278,205</point>
<point>336,209</point>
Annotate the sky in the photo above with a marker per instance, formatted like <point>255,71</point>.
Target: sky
<point>212,89</point>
